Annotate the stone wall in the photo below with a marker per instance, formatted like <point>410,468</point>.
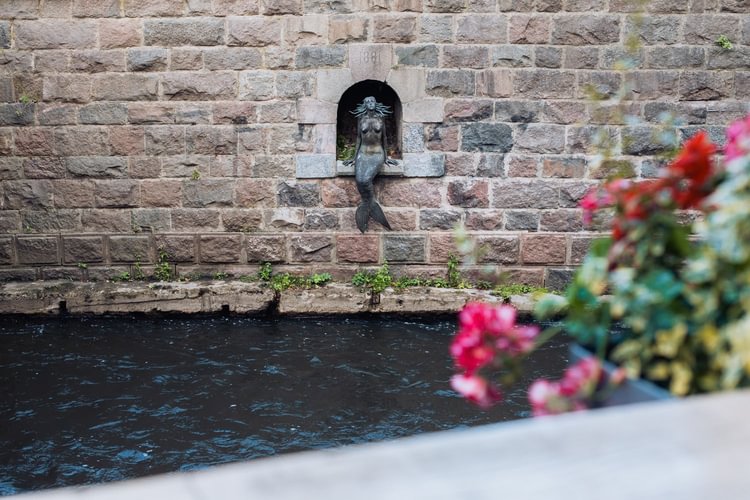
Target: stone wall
<point>205,129</point>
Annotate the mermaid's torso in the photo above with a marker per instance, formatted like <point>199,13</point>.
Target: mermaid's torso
<point>371,155</point>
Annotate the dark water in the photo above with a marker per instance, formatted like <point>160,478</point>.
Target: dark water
<point>88,400</point>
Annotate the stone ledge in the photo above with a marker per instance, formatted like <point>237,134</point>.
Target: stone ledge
<point>56,297</point>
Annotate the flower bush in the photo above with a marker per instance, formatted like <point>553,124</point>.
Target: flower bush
<point>680,292</point>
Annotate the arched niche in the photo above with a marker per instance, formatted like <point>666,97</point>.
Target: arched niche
<point>346,122</point>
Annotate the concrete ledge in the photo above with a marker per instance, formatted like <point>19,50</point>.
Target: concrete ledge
<point>54,297</point>
<point>690,449</point>
<point>112,298</point>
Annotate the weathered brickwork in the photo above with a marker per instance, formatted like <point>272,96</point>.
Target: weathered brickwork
<point>205,130</point>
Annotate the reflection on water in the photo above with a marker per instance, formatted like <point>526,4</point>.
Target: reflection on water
<point>88,400</point>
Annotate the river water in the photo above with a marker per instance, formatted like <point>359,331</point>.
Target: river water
<point>89,400</point>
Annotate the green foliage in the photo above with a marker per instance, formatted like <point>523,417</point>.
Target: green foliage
<point>376,281</point>
<point>344,148</point>
<point>123,276</point>
<point>246,278</point>
<point>138,273</point>
<point>220,275</point>
<point>454,278</point>
<point>265,272</point>
<point>195,175</point>
<point>507,290</point>
<point>82,265</point>
<point>25,99</point>
<point>284,281</point>
<point>724,42</point>
<point>163,269</point>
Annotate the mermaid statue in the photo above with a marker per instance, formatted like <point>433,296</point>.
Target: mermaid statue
<point>369,157</point>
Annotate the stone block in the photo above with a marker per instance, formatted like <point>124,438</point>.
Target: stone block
<point>34,142</point>
<point>241,220</point>
<point>511,56</point>
<point>442,137</point>
<point>265,248</point>
<point>420,194</point>
<point>572,193</point>
<point>161,193</point>
<point>315,111</point>
<point>116,194</point>
<point>498,249</point>
<point>165,140</point>
<point>581,58</point>
<point>641,141</point>
<point>12,168</point>
<point>544,84</point>
<point>521,220</point>
<point>20,9</point>
<point>412,138</point>
<point>586,30</point>
<point>175,248</point>
<point>119,33</point>
<point>151,220</point>
<point>559,279</point>
<point>6,251</point>
<point>491,165</point>
<point>332,83</point>
<point>97,61</point>
<point>147,59</point>
<point>37,250</point>
<point>106,221</point>
<point>313,57</point>
<point>293,194</point>
<point>257,85</point>
<point>486,137</point>
<point>27,194</point>
<point>232,112</point>
<point>40,167</point>
<point>390,28</point>
<point>579,248</point>
<point>561,221</point>
<point>10,221</point>
<point>441,248</point>
<point>253,140</point>
<point>55,34</point>
<point>125,87</point>
<point>472,56</point>
<point>184,166</point>
<point>285,218</point>
<point>57,114</point>
<point>255,193</point>
<point>359,249</point>
<point>450,83</point>
<point>533,29</point>
<point>311,248</point>
<point>339,193</point>
<point>418,55</point>
<point>494,83</point>
<point>195,219</point>
<point>320,220</point>
<point>564,167</point>
<point>524,193</point>
<point>200,31</point>
<point>189,86</point>
<point>436,29</point>
<point>73,193</point>
<point>127,141</point>
<point>522,166</point>
<point>424,165</point>
<point>51,221</point>
<point>80,141</point>
<point>17,114</point>
<point>484,29</point>
<point>294,84</point>
<point>468,110</point>
<point>370,61</point>
<point>66,88</point>
<point>404,248</point>
<point>432,219</point>
<point>204,193</point>
<point>103,113</point>
<point>544,249</point>
<point>675,57</point>
<point>548,57</point>
<point>737,58</point>
<point>255,31</point>
<point>315,166</point>
<point>469,193</point>
<point>130,249</point>
<point>220,248</point>
<point>82,249</point>
<point>429,110</point>
<point>540,138</point>
<point>347,29</point>
<point>211,140</point>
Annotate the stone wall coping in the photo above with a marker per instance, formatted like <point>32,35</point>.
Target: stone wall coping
<point>57,297</point>
<point>689,449</point>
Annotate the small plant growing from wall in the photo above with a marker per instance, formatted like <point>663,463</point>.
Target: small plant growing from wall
<point>163,269</point>
<point>724,42</point>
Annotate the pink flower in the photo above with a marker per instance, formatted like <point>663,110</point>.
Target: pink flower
<point>519,340</point>
<point>479,317</point>
<point>476,389</point>
<point>738,139</point>
<point>582,378</point>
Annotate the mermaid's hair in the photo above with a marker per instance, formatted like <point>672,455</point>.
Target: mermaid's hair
<point>380,109</point>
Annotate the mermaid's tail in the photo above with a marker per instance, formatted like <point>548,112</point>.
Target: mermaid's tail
<point>368,209</point>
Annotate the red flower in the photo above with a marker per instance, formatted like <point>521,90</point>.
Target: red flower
<point>476,389</point>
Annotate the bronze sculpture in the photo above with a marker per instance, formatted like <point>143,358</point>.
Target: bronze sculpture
<point>370,154</point>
